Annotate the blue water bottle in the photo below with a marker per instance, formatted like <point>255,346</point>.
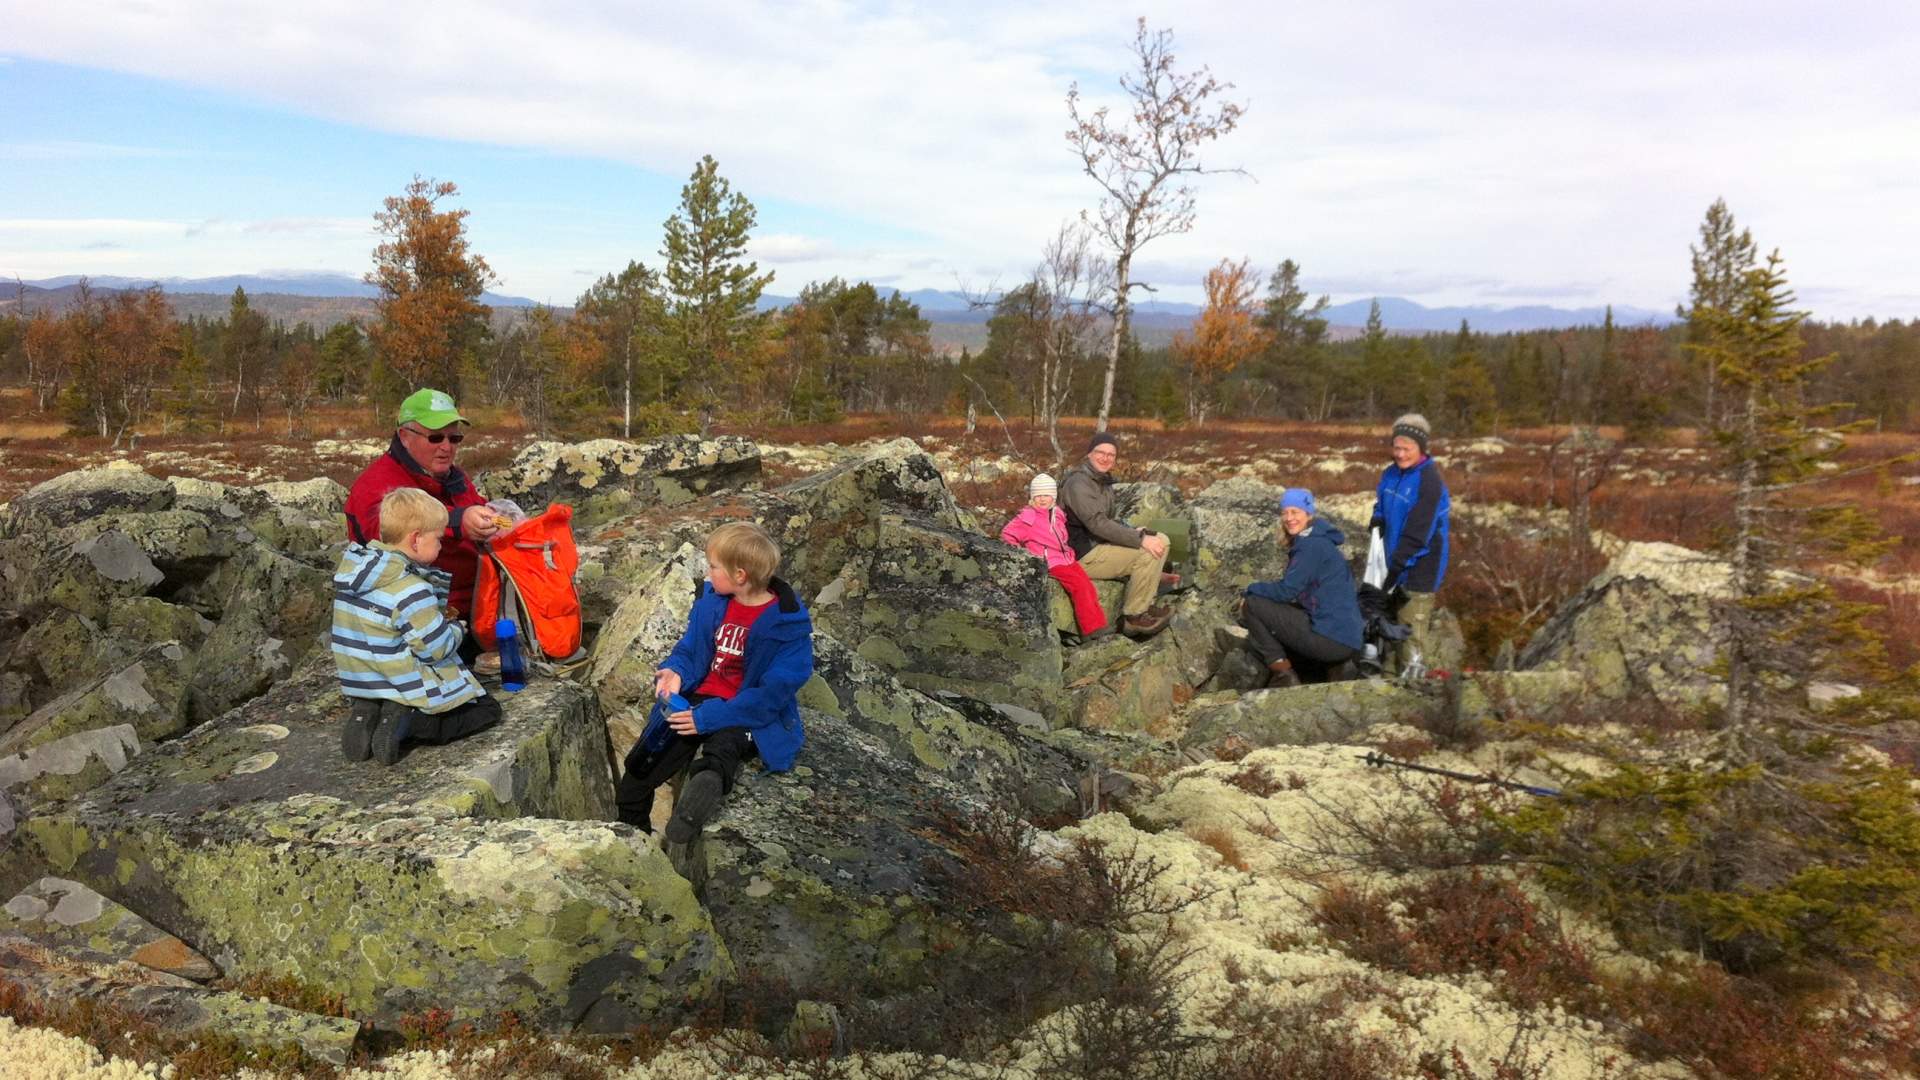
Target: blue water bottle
<point>513,670</point>
<point>659,733</point>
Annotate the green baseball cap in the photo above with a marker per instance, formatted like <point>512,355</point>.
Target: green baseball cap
<point>431,409</point>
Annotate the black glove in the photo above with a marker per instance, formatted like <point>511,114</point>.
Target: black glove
<point>1378,524</point>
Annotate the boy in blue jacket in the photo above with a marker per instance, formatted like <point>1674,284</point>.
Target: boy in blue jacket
<point>738,671</point>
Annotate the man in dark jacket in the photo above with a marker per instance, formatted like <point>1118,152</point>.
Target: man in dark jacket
<point>1412,509</point>
<point>430,430</point>
<point>1112,550</point>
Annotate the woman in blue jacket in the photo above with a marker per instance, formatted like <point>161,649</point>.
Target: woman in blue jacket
<point>1411,509</point>
<point>1310,616</point>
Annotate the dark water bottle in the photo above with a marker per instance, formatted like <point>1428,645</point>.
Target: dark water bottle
<point>659,733</point>
<point>513,670</point>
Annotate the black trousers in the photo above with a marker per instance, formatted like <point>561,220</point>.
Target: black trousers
<point>456,723</point>
<point>721,751</point>
<point>1285,632</point>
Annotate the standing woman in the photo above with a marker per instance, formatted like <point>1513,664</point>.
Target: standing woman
<point>1411,509</point>
<point>1310,616</point>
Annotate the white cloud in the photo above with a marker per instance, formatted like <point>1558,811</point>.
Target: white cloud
<point>1469,152</point>
<point>788,248</point>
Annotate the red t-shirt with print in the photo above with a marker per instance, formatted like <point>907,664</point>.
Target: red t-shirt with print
<point>730,650</point>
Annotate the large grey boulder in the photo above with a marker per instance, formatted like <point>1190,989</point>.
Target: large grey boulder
<point>91,493</point>
<point>472,877</point>
<point>78,740</point>
<point>66,915</point>
<point>634,641</point>
<point>943,609</point>
<point>272,612</point>
<point>1643,626</point>
<point>1323,712</point>
<point>608,478</point>
<point>822,879</point>
<point>174,1005</point>
<point>824,520</point>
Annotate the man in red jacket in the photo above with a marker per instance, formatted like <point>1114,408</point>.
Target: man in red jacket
<point>430,431</point>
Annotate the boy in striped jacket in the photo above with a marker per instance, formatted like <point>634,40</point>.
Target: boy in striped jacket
<point>396,651</point>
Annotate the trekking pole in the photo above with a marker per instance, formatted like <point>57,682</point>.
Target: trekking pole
<point>1377,759</point>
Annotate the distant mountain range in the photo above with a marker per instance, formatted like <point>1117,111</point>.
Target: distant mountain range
<point>326,298</point>
<point>328,285</point>
<point>942,306</point>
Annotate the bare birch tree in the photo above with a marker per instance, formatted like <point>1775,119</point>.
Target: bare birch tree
<point>1142,163</point>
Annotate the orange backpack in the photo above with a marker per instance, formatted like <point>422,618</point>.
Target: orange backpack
<point>526,575</point>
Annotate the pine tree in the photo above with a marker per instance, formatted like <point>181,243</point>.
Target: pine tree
<point>628,313</point>
<point>712,287</point>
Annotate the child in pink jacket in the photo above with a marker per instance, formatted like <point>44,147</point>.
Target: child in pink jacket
<point>1041,528</point>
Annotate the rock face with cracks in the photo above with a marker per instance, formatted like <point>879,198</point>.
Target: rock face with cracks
<point>608,478</point>
<point>425,884</point>
<point>1643,626</point>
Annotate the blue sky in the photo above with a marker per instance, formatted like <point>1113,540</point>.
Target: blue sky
<point>1470,152</point>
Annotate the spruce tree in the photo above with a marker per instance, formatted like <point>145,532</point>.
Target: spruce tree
<point>1720,265</point>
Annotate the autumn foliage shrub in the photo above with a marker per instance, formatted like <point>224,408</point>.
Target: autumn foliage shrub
<point>1457,922</point>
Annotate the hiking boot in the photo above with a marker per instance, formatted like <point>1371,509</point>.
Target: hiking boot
<point>1280,675</point>
<point>396,723</point>
<point>699,798</point>
<point>356,735</point>
<point>1146,624</point>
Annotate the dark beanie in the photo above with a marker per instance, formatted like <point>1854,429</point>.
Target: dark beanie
<point>1101,438</point>
<point>1415,427</point>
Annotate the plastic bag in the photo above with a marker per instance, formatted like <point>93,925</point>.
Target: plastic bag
<point>1376,574</point>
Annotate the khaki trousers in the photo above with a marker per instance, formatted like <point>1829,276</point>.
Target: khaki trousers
<point>1417,614</point>
<point>1140,570</point>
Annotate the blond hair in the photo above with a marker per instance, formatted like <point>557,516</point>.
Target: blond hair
<point>407,510</point>
<point>744,546</point>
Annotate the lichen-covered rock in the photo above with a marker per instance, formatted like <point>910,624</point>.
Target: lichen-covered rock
<point>633,643</point>
<point>60,767</point>
<point>67,915</point>
<point>942,609</point>
<point>1236,524</point>
<point>90,493</point>
<point>52,975</point>
<point>81,738</point>
<point>272,611</point>
<point>96,571</point>
<point>447,880</point>
<point>818,878</point>
<point>826,519</point>
<point>1060,607</point>
<point>1643,626</point>
<point>546,758</point>
<point>1240,668</point>
<point>1323,712</point>
<point>996,760</point>
<point>1121,685</point>
<point>606,478</point>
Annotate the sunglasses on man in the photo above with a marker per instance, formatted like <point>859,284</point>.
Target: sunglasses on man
<point>438,437</point>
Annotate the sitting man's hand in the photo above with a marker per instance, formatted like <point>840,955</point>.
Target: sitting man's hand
<point>1154,544</point>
